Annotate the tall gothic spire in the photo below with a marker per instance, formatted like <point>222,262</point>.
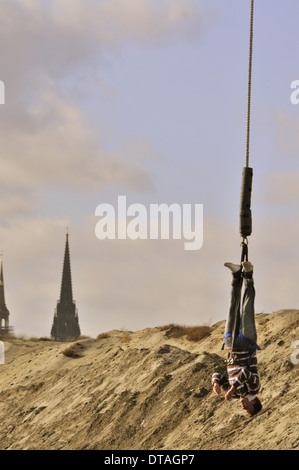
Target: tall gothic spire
<point>66,324</point>
<point>4,312</point>
<point>66,292</point>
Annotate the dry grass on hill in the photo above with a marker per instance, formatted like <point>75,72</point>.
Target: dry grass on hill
<point>192,333</point>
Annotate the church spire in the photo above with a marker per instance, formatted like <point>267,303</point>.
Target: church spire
<point>4,312</point>
<point>66,324</point>
<point>66,292</point>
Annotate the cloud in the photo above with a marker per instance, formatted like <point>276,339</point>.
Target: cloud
<point>61,149</point>
<point>46,47</point>
<point>287,133</point>
<point>281,188</point>
<point>114,21</point>
<point>55,36</point>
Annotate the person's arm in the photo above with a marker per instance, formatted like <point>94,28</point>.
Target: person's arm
<point>216,388</point>
<point>230,393</point>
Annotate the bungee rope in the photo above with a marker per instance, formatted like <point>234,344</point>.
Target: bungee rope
<point>246,187</point>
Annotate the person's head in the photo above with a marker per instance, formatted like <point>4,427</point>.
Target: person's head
<point>251,404</point>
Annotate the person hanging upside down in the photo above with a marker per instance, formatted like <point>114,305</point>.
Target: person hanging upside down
<point>242,380</point>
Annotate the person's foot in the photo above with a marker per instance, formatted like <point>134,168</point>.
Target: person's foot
<point>247,266</point>
<point>248,270</point>
<point>235,268</point>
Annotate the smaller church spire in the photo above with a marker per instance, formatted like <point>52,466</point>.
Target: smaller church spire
<point>4,312</point>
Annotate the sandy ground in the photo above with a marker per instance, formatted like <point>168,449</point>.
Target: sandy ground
<point>146,390</point>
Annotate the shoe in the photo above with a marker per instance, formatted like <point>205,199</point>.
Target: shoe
<point>248,271</point>
<point>247,266</point>
<point>233,267</point>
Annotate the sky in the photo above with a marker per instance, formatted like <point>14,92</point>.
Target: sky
<point>145,99</point>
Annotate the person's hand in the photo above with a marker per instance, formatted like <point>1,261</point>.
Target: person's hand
<point>230,393</point>
<point>216,388</point>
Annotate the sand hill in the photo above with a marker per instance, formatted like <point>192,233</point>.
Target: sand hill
<point>146,390</point>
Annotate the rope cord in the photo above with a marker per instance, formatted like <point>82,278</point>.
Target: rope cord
<point>244,255</point>
<point>249,83</point>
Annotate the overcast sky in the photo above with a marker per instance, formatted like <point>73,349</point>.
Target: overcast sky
<point>147,99</point>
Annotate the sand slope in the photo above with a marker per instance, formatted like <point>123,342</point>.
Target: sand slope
<point>146,390</point>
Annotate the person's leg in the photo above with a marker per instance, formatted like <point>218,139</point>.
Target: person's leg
<point>247,319</point>
<point>235,296</point>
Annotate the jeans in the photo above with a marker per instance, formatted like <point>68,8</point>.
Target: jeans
<point>245,318</point>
